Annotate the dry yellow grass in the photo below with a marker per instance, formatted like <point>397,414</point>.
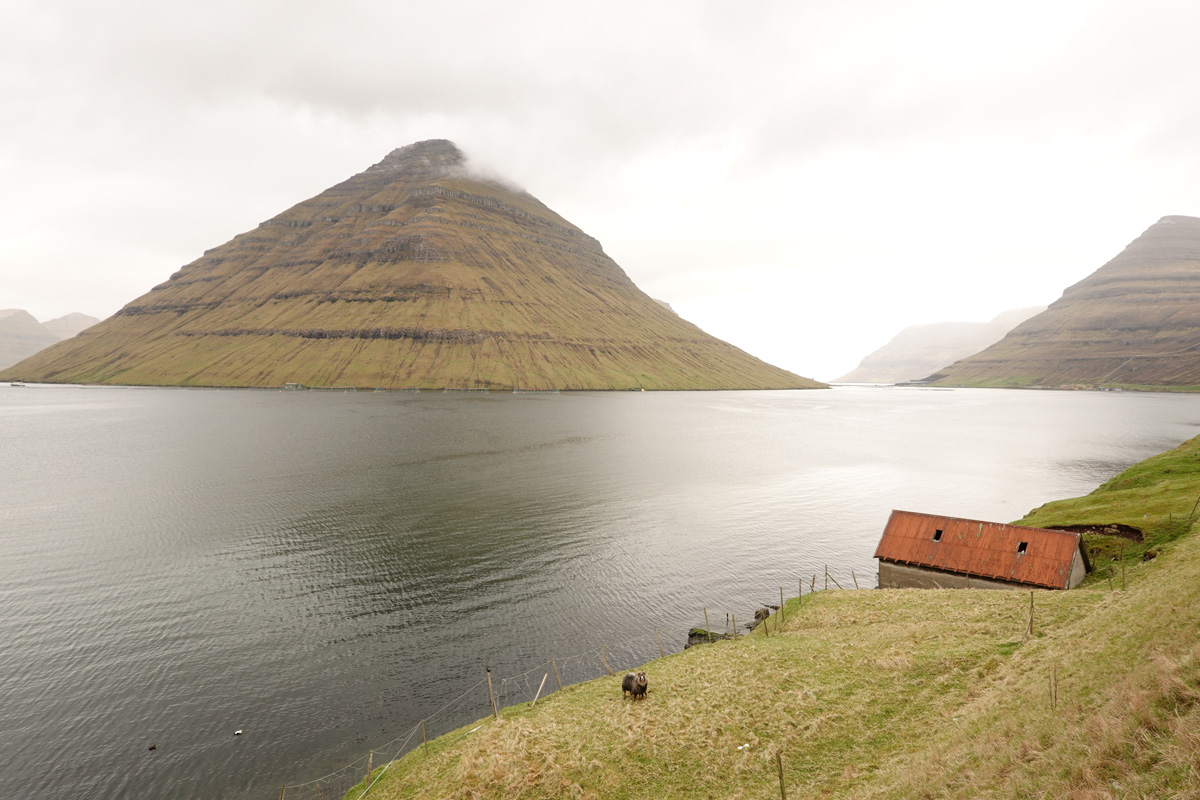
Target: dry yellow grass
<point>882,694</point>
<point>874,695</point>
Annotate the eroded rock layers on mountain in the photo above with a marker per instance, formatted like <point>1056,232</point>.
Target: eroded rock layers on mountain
<point>1133,322</point>
<point>414,273</point>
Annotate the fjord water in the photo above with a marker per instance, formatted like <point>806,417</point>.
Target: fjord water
<point>323,570</point>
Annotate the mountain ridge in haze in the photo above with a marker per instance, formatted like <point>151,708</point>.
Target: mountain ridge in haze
<point>1133,322</point>
<point>415,273</point>
<point>918,350</point>
<point>21,335</point>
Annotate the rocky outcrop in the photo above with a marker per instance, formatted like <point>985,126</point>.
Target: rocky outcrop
<point>414,273</point>
<point>1133,322</point>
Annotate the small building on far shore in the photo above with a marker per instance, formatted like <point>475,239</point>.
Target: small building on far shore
<point>930,552</point>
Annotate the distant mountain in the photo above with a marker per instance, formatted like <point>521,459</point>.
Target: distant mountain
<point>69,325</point>
<point>414,273</point>
<point>918,350</point>
<point>1133,322</point>
<point>21,335</point>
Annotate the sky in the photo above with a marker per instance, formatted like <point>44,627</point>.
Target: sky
<point>801,179</point>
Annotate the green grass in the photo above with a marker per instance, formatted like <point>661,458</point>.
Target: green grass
<point>1158,496</point>
<point>892,694</point>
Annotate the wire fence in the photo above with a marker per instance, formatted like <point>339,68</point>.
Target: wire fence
<point>476,703</point>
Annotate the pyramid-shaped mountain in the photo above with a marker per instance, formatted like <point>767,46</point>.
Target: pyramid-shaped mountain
<point>414,273</point>
<point>1135,322</point>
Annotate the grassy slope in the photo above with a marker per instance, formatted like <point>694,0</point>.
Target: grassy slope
<point>900,693</point>
<point>557,311</point>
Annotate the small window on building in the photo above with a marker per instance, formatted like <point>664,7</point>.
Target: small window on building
<point>1022,547</point>
<point>937,535</point>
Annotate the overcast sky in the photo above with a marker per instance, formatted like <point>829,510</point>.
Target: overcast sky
<point>802,179</point>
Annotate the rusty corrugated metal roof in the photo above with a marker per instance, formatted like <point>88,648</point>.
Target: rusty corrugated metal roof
<point>974,547</point>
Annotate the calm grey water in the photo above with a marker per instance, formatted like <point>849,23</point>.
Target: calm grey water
<point>323,570</point>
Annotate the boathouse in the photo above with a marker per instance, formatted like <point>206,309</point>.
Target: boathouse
<point>930,552</point>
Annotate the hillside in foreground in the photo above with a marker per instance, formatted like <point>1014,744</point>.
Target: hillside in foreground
<point>416,273</point>
<point>1134,322</point>
<point>894,693</point>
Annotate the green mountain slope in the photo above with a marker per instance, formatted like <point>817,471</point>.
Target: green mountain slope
<point>414,273</point>
<point>1134,322</point>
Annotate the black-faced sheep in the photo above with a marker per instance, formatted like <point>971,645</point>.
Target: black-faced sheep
<point>634,685</point>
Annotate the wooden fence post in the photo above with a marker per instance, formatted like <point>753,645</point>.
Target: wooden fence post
<point>735,626</point>
<point>556,678</point>
<point>856,579</point>
<point>707,629</point>
<point>424,739</point>
<point>367,780</point>
<point>779,764</point>
<point>1029,627</point>
<point>781,601</point>
<point>539,691</point>
<point>800,595</point>
<point>604,658</point>
<point>491,694</point>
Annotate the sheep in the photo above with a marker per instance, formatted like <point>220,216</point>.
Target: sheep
<point>634,684</point>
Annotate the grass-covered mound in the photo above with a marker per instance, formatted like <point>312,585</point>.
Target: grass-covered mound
<point>896,693</point>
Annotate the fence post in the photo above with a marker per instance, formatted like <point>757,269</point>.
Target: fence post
<point>707,629</point>
<point>604,658</point>
<point>367,780</point>
<point>779,764</point>
<point>856,579</point>
<point>491,694</point>
<point>660,650</point>
<point>539,691</point>
<point>780,601</point>
<point>800,589</point>
<point>735,626</point>
<point>1029,627</point>
<point>283,789</point>
<point>556,678</point>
